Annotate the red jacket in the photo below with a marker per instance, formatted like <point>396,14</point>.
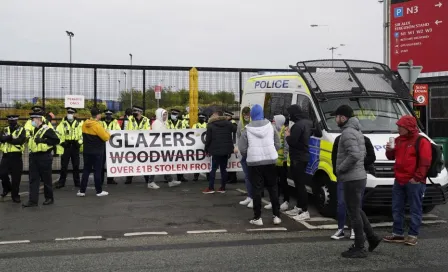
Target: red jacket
<point>405,155</point>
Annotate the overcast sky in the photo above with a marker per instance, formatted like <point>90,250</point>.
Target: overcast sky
<point>230,33</point>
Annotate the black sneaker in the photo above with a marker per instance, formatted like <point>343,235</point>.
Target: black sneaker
<point>59,186</point>
<point>354,252</point>
<point>374,243</point>
<point>5,193</point>
<point>29,204</point>
<point>48,202</point>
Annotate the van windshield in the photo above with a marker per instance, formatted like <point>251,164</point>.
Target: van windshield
<point>374,114</point>
<point>276,103</point>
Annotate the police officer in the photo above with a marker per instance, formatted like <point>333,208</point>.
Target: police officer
<point>139,122</point>
<point>13,139</point>
<point>29,127</point>
<point>229,115</point>
<point>202,123</point>
<point>40,160</point>
<point>70,134</point>
<point>176,123</point>
<point>186,117</point>
<point>109,123</point>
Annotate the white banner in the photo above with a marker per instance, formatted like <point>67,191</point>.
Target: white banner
<point>146,152</point>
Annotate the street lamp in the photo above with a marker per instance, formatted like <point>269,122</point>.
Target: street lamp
<point>386,29</point>
<point>126,84</point>
<point>130,55</point>
<point>70,36</point>
<point>315,25</point>
<point>334,48</point>
<point>119,85</point>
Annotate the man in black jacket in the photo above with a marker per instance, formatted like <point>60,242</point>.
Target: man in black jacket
<point>368,165</point>
<point>298,140</point>
<point>219,144</point>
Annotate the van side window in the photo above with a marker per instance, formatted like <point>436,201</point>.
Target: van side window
<point>305,103</point>
<point>276,103</point>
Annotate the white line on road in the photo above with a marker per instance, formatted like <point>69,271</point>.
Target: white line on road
<point>15,242</point>
<point>206,231</point>
<point>268,229</point>
<point>79,238</point>
<point>145,233</point>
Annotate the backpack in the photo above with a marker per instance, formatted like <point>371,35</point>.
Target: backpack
<point>437,162</point>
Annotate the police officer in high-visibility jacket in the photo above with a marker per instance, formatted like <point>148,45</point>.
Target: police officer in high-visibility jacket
<point>139,122</point>
<point>202,123</point>
<point>70,134</point>
<point>186,117</point>
<point>109,123</point>
<point>40,160</point>
<point>29,127</point>
<point>229,115</point>
<point>176,123</point>
<point>13,138</point>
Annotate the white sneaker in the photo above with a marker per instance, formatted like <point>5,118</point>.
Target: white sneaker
<point>277,220</point>
<point>294,212</point>
<point>251,204</point>
<point>338,235</point>
<point>153,185</point>
<point>81,194</point>
<point>302,217</point>
<point>284,206</point>
<point>173,183</point>
<point>246,201</point>
<point>258,222</point>
<point>268,207</point>
<point>352,235</point>
<point>103,193</point>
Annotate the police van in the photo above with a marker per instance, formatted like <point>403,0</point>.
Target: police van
<point>378,97</point>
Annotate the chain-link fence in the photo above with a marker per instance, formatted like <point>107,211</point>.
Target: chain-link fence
<point>116,87</point>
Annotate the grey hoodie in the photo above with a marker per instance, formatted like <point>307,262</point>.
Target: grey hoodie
<point>351,152</point>
<point>279,123</point>
<point>243,144</point>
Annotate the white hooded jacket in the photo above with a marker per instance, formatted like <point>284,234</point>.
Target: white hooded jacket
<point>158,124</point>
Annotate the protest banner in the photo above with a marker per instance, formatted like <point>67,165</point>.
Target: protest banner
<point>146,152</point>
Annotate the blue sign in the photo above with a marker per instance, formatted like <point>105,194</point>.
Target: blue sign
<point>398,12</point>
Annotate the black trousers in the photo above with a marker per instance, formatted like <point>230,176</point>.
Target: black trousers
<point>282,174</point>
<point>40,169</point>
<point>71,152</point>
<point>264,176</point>
<point>300,178</point>
<point>11,164</point>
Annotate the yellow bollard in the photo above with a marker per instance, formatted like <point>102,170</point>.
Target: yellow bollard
<point>194,89</point>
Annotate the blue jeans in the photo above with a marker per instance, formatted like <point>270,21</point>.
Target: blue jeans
<point>221,162</point>
<point>342,210</point>
<point>414,194</point>
<point>246,177</point>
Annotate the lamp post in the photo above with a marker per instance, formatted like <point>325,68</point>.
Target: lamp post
<point>126,85</point>
<point>386,29</point>
<point>70,36</point>
<point>119,85</point>
<point>130,55</point>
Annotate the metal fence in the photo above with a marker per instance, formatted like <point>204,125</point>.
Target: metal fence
<point>24,84</point>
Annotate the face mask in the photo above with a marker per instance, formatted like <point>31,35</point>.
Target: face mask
<point>173,117</point>
<point>135,114</point>
<point>33,123</point>
<point>70,117</point>
<point>246,118</point>
<point>201,120</point>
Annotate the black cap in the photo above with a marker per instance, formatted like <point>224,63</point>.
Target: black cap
<point>137,108</point>
<point>12,117</point>
<point>71,110</point>
<point>202,115</point>
<point>174,111</point>
<point>228,113</point>
<point>108,112</point>
<point>36,114</point>
<point>37,109</point>
<point>94,112</point>
<point>344,110</point>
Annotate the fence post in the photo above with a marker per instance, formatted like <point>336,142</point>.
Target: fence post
<point>240,77</point>
<point>94,88</point>
<point>43,87</point>
<point>143,94</point>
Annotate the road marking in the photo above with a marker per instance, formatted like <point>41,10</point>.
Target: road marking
<point>79,238</point>
<point>130,234</point>
<point>268,229</point>
<point>315,219</point>
<point>15,242</point>
<point>206,231</point>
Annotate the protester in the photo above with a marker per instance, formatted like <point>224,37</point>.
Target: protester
<point>282,162</point>
<point>244,121</point>
<point>202,123</point>
<point>341,211</point>
<point>231,175</point>
<point>161,124</point>
<point>94,137</point>
<point>259,142</point>
<point>124,120</point>
<point>219,144</point>
<point>176,122</point>
<point>411,169</point>
<point>70,134</point>
<point>109,123</point>
<point>12,142</point>
<point>350,171</point>
<point>43,139</point>
<point>298,141</point>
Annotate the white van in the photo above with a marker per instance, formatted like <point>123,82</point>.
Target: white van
<point>378,97</point>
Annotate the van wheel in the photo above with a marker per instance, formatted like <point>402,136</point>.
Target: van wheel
<point>428,209</point>
<point>325,195</point>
